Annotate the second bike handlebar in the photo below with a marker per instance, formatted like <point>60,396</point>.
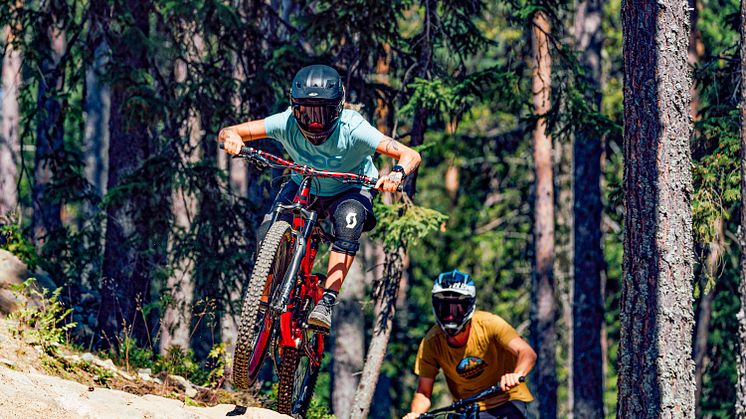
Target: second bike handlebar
<point>490,391</point>
<point>271,160</point>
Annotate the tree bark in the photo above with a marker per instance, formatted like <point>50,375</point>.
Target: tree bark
<point>563,263</point>
<point>126,265</point>
<point>741,356</point>
<point>542,303</point>
<point>386,293</point>
<point>656,372</point>
<point>9,122</point>
<point>704,310</point>
<point>177,319</point>
<point>49,131</point>
<point>589,261</point>
<point>349,340</point>
<point>696,51</point>
<point>97,111</point>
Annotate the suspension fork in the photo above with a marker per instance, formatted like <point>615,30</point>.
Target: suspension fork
<point>301,238</point>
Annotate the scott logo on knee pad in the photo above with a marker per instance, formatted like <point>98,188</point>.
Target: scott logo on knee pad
<point>351,220</point>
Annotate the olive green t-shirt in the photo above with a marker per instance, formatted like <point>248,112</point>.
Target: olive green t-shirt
<point>475,366</point>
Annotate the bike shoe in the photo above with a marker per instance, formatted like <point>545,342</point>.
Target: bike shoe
<point>321,316</point>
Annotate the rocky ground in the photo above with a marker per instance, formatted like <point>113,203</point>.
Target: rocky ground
<point>73,384</point>
<point>86,386</point>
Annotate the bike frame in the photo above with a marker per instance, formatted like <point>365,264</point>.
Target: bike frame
<point>299,286</point>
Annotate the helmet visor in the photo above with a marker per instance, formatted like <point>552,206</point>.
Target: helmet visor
<point>316,118</point>
<point>452,309</point>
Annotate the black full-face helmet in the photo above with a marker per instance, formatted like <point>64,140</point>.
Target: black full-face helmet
<point>317,97</point>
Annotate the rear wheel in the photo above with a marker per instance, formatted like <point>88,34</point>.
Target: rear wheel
<point>256,323</point>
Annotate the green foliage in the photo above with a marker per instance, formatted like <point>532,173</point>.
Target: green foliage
<point>404,223</point>
<point>178,361</point>
<point>13,240</point>
<point>44,323</point>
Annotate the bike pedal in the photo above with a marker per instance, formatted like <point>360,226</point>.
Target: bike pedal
<point>318,329</point>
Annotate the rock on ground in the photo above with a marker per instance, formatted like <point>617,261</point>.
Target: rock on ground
<point>24,395</point>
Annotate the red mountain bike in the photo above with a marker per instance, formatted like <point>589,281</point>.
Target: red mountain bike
<point>282,292</point>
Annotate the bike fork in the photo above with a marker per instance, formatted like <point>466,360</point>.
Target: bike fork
<point>288,282</point>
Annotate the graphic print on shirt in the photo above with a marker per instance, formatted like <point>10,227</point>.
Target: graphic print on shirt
<point>471,367</point>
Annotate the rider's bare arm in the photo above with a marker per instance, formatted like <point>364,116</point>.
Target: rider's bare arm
<point>526,358</point>
<point>406,157</point>
<point>421,399</point>
<point>235,135</point>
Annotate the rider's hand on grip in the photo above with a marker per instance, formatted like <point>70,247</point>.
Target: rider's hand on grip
<point>232,142</point>
<point>511,380</point>
<point>393,182</point>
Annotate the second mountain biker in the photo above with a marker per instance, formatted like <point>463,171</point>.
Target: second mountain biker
<point>317,131</point>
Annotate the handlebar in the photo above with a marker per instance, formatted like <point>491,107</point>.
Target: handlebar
<point>268,159</point>
<point>490,391</point>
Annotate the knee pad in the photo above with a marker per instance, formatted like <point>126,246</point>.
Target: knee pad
<point>349,219</point>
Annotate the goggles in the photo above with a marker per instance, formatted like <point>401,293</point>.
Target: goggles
<point>316,117</point>
<point>452,308</point>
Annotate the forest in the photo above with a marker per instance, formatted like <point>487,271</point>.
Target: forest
<point>584,161</point>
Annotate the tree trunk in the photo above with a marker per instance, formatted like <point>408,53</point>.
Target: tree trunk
<point>542,303</point>
<point>704,310</point>
<point>349,340</point>
<point>741,356</point>
<point>656,372</point>
<point>49,133</point>
<point>9,122</point>
<point>589,261</point>
<point>563,263</point>
<point>385,293</point>
<point>177,319</point>
<point>387,284</point>
<point>97,111</point>
<point>696,51</point>
<point>126,266</point>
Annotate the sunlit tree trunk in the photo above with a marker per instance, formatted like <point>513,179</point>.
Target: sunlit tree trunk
<point>349,340</point>
<point>9,122</point>
<point>176,322</point>
<point>543,333</point>
<point>656,372</point>
<point>49,132</point>
<point>741,353</point>
<point>589,262</point>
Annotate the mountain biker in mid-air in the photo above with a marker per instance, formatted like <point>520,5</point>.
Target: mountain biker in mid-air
<point>475,350</point>
<point>318,132</point>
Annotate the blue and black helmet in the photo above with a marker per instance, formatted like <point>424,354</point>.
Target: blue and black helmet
<point>317,97</point>
<point>454,301</point>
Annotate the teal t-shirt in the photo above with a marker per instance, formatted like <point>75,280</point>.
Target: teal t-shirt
<point>349,148</point>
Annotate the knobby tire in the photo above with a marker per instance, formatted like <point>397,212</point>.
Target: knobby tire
<point>277,240</point>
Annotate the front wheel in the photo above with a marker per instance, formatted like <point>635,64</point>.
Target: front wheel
<point>297,376</point>
<point>255,327</point>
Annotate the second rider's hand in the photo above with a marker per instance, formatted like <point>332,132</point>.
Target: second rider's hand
<point>390,182</point>
<point>232,141</point>
<point>509,381</point>
<point>412,415</point>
